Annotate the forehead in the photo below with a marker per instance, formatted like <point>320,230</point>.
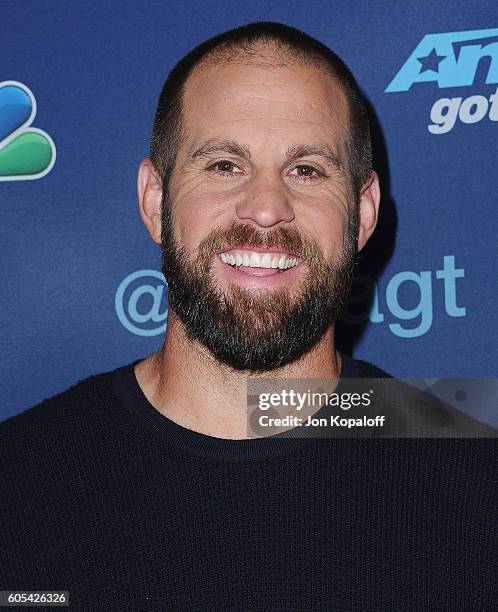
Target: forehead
<point>299,102</point>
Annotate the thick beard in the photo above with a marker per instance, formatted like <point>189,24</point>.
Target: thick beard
<point>248,330</point>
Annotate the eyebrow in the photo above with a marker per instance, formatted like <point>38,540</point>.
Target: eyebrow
<point>292,154</point>
<point>221,146</point>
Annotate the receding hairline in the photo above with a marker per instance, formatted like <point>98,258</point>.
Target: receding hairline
<point>267,45</point>
<point>265,53</point>
<point>265,50</point>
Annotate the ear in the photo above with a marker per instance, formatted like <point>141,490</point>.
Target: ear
<point>150,191</point>
<point>368,209</point>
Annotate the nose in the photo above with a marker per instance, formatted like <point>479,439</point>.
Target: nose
<point>265,203</point>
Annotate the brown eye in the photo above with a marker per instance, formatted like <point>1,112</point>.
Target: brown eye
<point>225,167</point>
<point>306,173</point>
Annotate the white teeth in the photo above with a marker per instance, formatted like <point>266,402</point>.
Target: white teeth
<point>266,261</point>
<point>253,259</point>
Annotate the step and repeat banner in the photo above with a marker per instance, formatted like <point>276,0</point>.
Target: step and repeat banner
<point>82,290</point>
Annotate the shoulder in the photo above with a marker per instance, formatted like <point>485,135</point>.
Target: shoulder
<point>369,370</point>
<point>69,417</point>
<point>62,446</point>
<point>414,412</point>
<point>357,368</point>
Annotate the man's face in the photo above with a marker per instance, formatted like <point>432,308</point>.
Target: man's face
<point>259,232</point>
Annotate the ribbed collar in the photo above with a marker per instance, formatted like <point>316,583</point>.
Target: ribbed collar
<point>132,398</point>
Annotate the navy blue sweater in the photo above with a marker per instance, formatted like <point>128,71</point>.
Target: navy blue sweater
<point>105,497</point>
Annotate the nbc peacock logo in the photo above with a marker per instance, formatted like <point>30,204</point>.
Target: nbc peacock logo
<point>26,152</point>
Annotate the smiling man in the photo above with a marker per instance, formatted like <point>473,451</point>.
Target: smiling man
<point>260,207</point>
<point>142,489</point>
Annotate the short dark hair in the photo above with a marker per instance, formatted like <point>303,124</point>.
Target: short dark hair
<point>168,128</point>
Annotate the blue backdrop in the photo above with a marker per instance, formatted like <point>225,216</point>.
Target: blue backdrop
<point>82,291</point>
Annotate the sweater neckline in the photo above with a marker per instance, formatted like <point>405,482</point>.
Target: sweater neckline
<point>134,400</point>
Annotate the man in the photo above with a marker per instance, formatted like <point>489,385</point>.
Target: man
<point>140,488</point>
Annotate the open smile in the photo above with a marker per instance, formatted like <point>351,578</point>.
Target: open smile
<point>257,261</point>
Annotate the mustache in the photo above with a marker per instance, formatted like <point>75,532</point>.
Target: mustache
<point>241,235</point>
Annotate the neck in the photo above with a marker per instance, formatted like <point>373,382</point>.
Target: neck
<point>187,384</point>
